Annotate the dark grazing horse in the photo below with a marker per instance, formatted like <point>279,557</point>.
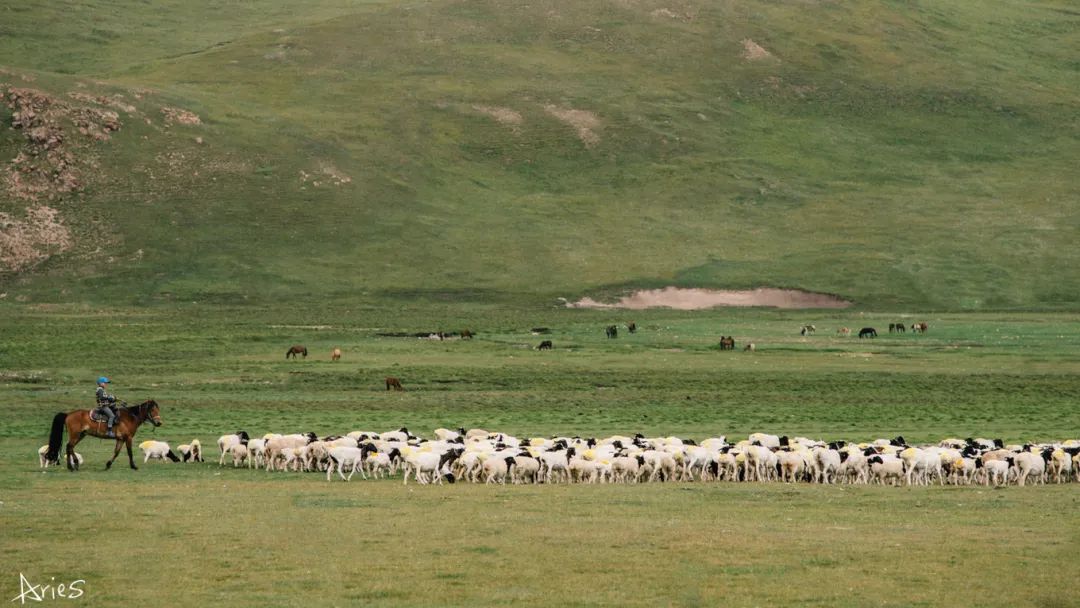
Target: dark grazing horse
<point>545,345</point>
<point>466,334</point>
<point>631,327</point>
<point>80,423</point>
<point>612,331</point>
<point>727,343</point>
<point>393,383</point>
<point>868,332</point>
<point>296,349</point>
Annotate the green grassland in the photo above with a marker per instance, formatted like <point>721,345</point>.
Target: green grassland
<point>903,155</point>
<point>369,168</point>
<point>257,538</point>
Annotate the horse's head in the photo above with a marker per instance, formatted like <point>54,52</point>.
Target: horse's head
<point>151,411</point>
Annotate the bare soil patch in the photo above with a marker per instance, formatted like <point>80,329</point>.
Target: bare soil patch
<point>503,116</point>
<point>753,51</point>
<point>582,120</point>
<point>698,299</point>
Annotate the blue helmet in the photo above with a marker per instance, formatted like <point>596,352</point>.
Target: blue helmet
<point>103,380</point>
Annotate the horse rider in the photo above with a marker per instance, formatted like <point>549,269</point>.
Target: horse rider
<point>106,403</point>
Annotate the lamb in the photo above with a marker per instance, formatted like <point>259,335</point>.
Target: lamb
<point>191,451</point>
<point>381,464</point>
<point>240,454</point>
<point>227,441</point>
<point>157,449</point>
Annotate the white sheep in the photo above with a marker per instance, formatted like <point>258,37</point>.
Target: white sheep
<point>157,449</point>
<point>191,451</point>
<point>240,454</point>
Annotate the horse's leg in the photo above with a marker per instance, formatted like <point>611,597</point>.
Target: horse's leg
<point>131,459</point>
<point>72,462</point>
<point>108,465</point>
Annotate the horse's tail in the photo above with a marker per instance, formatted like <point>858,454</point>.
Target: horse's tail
<point>56,437</point>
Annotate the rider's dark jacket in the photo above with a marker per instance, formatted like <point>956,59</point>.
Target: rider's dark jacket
<point>104,398</point>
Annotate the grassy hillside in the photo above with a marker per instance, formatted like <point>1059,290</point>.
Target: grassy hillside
<point>899,154</point>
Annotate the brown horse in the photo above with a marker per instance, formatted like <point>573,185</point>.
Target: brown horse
<point>392,382</point>
<point>298,349</point>
<point>79,424</point>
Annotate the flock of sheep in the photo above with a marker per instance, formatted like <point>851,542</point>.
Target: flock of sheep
<point>480,456</point>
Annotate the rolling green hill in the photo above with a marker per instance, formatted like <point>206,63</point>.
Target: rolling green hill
<point>900,154</point>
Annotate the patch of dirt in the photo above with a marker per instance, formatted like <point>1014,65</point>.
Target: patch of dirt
<point>753,51</point>
<point>503,116</point>
<point>51,161</point>
<point>30,240</point>
<point>582,120</point>
<point>180,115</point>
<point>698,299</point>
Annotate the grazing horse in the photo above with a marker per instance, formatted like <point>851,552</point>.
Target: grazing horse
<point>749,348</point>
<point>335,354</point>
<point>80,424</point>
<point>545,345</point>
<point>466,334</point>
<point>868,332</point>
<point>919,328</point>
<point>631,327</point>
<point>807,330</point>
<point>727,343</point>
<point>896,328</point>
<point>393,383</point>
<point>296,349</point>
<point>612,331</point>
<point>843,331</point>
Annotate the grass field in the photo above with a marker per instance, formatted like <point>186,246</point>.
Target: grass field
<point>189,187</point>
<point>283,539</point>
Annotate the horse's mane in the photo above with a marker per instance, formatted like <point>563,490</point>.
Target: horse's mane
<point>131,409</point>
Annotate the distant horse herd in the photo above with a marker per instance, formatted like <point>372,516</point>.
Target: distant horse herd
<point>612,331</point>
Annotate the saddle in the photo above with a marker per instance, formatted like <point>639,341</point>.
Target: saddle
<point>98,414</point>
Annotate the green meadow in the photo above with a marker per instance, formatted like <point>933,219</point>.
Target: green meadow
<point>256,538</point>
<point>188,188</point>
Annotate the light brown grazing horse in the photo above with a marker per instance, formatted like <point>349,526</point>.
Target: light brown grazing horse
<point>79,425</point>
